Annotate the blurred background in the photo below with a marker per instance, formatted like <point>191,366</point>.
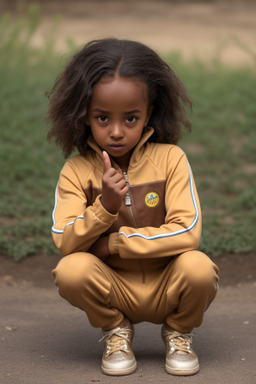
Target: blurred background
<point>210,45</point>
<point>191,27</point>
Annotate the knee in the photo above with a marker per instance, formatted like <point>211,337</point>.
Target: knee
<point>73,270</point>
<point>198,269</point>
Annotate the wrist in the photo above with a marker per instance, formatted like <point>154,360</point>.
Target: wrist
<point>108,207</point>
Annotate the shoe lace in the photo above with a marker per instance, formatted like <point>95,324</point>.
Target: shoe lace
<point>117,340</point>
<point>179,342</point>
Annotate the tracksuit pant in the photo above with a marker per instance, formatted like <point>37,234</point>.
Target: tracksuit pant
<point>176,294</point>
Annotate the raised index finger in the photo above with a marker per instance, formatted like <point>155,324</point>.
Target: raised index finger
<point>107,162</point>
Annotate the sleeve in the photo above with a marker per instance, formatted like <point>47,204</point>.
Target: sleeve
<point>182,228</point>
<point>76,226</point>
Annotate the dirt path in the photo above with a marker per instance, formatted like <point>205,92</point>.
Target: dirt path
<point>195,28</point>
<point>45,340</point>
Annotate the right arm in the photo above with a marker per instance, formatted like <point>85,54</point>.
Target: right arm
<point>77,227</point>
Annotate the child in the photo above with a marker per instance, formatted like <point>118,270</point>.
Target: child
<point>127,217</point>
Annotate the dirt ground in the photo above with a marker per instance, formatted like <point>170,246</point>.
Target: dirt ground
<point>206,29</point>
<point>45,340</point>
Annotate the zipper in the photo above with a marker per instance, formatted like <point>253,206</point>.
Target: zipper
<point>128,203</point>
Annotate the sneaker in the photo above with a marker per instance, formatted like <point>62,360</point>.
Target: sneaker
<point>181,359</point>
<point>118,358</point>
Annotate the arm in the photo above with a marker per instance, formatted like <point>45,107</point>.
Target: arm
<point>113,192</point>
<point>77,227</point>
<point>182,228</point>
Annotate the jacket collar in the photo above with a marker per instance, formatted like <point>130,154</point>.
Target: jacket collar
<point>136,155</point>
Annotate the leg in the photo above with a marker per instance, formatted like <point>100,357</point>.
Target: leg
<point>86,282</point>
<point>192,287</point>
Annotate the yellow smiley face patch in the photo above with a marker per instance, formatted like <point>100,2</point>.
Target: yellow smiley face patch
<point>151,199</point>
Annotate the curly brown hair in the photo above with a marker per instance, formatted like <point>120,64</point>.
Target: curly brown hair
<point>73,88</point>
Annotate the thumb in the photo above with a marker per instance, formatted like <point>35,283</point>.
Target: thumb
<point>107,162</point>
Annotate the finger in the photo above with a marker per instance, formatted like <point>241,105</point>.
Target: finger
<point>107,162</point>
<point>121,186</point>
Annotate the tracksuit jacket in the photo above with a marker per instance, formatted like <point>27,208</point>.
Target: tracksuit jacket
<point>160,217</point>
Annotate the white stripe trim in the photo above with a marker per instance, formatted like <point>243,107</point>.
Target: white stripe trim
<point>60,231</point>
<point>181,231</point>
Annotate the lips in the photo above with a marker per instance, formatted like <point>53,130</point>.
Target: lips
<point>116,147</point>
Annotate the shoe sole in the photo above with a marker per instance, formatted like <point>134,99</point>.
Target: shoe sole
<point>123,372</point>
<point>188,372</point>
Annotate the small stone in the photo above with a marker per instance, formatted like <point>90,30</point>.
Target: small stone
<point>10,329</point>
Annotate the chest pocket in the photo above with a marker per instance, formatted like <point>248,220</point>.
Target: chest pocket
<point>148,204</point>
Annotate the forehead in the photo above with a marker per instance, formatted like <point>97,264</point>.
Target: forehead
<point>120,92</point>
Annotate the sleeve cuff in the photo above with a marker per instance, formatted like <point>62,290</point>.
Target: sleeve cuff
<point>102,214</point>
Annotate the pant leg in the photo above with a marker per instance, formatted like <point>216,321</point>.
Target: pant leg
<point>179,295</point>
<point>192,286</point>
<point>87,283</point>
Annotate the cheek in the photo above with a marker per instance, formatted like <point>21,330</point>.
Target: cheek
<point>99,136</point>
<point>135,138</point>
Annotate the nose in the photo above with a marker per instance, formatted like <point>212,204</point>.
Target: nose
<point>116,131</point>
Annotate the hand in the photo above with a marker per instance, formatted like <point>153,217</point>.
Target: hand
<point>114,187</point>
<point>100,248</point>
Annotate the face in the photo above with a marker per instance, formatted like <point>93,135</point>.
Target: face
<point>117,114</point>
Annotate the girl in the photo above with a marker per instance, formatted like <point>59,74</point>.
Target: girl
<point>127,216</point>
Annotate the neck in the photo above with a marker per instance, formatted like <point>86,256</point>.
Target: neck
<point>123,162</point>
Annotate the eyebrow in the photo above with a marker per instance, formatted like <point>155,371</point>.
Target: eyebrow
<point>133,111</point>
<point>99,110</point>
<point>127,113</point>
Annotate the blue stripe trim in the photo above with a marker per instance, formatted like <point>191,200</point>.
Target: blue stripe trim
<point>180,232</point>
<point>60,231</point>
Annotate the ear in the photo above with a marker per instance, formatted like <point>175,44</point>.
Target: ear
<point>150,110</point>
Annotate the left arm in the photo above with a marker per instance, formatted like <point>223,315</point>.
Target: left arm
<point>182,228</point>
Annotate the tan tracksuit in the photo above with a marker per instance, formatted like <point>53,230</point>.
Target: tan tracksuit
<point>155,272</point>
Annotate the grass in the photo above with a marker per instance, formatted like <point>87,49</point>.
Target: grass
<point>222,152</point>
<point>221,147</point>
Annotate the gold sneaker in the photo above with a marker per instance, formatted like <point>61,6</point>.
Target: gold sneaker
<point>118,358</point>
<point>181,359</point>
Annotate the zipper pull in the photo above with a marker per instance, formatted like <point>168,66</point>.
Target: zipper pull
<point>127,196</point>
<point>128,199</point>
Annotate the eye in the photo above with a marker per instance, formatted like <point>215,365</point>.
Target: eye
<point>102,119</point>
<point>131,119</point>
